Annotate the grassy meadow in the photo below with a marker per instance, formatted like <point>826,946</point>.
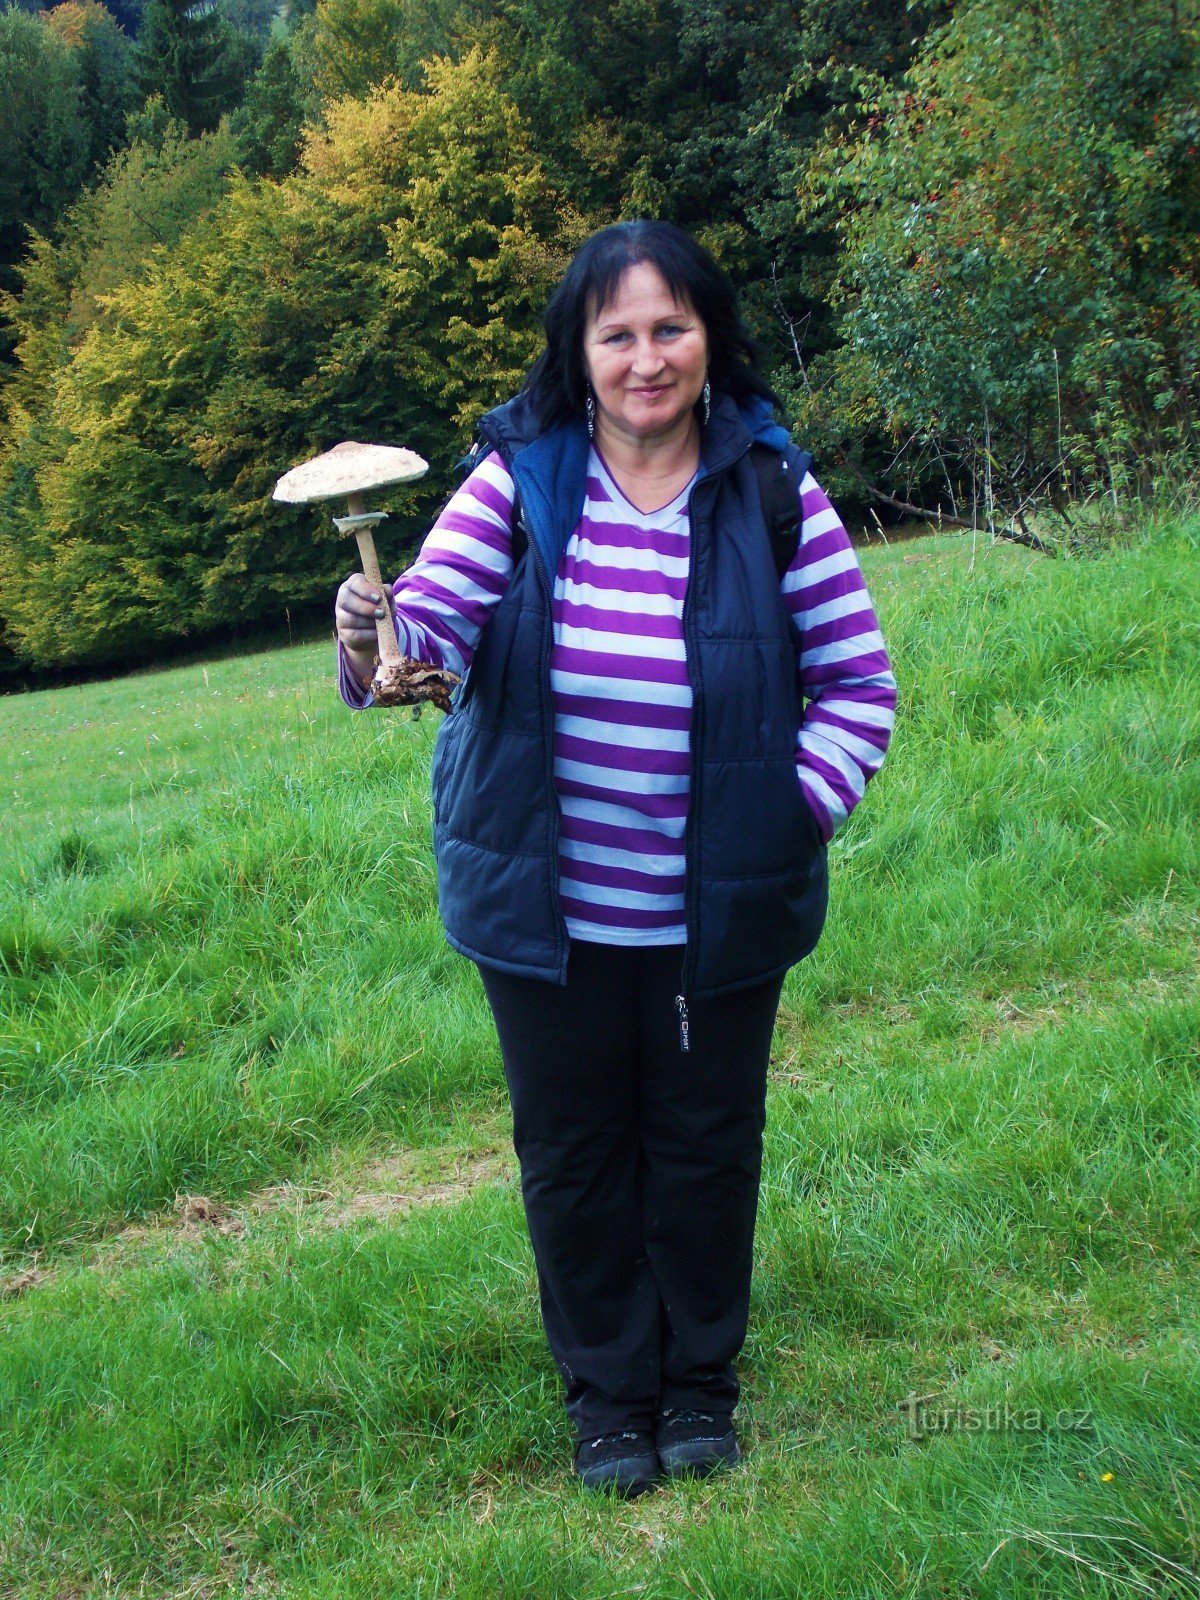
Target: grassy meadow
<point>268,1321</point>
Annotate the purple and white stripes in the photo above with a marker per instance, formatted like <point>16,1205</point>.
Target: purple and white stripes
<point>618,671</point>
<point>622,717</point>
<point>845,675</point>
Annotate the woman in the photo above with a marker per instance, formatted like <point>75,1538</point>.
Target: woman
<point>655,740</point>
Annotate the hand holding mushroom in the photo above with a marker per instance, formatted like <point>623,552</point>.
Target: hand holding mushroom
<point>363,612</point>
<point>358,610</point>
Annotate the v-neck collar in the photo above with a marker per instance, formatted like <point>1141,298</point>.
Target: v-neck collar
<point>674,505</point>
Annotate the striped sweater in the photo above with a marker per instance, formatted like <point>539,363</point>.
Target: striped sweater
<point>618,671</point>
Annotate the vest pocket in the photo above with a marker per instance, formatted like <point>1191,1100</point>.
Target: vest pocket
<point>756,821</point>
<point>445,757</point>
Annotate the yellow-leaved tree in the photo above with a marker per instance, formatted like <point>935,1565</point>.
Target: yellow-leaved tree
<point>389,291</point>
<point>479,241</point>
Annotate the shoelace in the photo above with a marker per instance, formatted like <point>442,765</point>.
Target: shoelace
<point>688,1416</point>
<point>608,1438</point>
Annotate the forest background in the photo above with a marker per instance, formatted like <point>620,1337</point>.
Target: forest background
<point>967,236</point>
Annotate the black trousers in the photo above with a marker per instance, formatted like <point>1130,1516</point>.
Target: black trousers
<point>640,1166</point>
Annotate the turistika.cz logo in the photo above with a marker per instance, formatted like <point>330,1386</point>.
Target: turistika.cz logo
<point>922,1418</point>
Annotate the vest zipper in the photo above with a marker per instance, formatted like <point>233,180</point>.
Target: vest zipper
<point>692,828</point>
<point>544,689</point>
<point>691,832</point>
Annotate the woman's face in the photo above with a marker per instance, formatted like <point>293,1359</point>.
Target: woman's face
<point>646,354</point>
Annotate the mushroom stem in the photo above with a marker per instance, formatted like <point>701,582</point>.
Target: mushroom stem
<point>385,627</point>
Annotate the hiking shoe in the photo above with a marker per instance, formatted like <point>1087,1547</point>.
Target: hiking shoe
<point>691,1444</point>
<point>623,1462</point>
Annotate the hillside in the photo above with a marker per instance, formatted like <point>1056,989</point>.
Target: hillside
<point>268,1323</point>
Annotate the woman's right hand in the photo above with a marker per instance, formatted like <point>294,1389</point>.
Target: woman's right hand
<point>358,608</point>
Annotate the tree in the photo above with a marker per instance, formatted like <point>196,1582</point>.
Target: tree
<point>390,290</point>
<point>705,115</point>
<point>189,55</point>
<point>254,18</point>
<point>104,69</point>
<point>269,124</point>
<point>44,140</point>
<point>478,244</point>
<point>148,197</point>
<point>349,47</point>
<point>779,76</point>
<point>1021,274</point>
<point>128,15</point>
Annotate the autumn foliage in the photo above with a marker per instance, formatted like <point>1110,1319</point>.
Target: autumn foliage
<point>967,238</point>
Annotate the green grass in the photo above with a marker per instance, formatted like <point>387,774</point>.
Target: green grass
<point>223,975</point>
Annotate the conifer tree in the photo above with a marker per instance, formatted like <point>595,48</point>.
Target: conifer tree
<point>187,53</point>
<point>270,120</point>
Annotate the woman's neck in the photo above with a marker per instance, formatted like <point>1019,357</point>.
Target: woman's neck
<point>650,472</point>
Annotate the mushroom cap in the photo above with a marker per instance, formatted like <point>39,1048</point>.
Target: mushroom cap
<point>349,468</point>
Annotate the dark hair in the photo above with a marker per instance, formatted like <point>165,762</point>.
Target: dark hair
<point>556,384</point>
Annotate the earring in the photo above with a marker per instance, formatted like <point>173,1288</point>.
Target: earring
<point>590,408</point>
<point>707,394</point>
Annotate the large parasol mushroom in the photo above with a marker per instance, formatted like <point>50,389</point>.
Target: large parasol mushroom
<point>351,469</point>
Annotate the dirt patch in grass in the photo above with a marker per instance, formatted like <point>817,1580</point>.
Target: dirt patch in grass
<point>196,1213</point>
<point>1056,1002</point>
<point>21,1282</point>
<point>390,1186</point>
<point>382,1189</point>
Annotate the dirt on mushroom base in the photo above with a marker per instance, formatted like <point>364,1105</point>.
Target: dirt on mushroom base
<point>412,683</point>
